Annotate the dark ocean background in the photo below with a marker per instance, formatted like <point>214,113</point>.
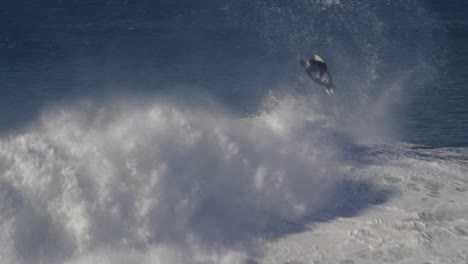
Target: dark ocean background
<point>237,51</point>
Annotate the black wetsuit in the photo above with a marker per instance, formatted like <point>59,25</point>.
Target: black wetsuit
<point>318,71</point>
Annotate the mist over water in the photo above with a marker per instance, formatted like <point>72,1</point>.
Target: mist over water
<point>187,133</point>
<point>140,177</point>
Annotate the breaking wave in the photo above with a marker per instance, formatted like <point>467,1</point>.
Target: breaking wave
<point>165,183</point>
<point>119,177</point>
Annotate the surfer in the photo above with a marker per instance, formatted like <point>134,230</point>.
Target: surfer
<point>317,70</point>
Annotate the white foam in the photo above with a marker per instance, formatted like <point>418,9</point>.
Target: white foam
<point>158,183</point>
<point>165,183</point>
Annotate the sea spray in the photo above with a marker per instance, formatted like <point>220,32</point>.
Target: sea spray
<point>158,176</point>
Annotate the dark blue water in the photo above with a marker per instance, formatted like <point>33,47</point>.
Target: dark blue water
<point>438,111</point>
<point>410,57</point>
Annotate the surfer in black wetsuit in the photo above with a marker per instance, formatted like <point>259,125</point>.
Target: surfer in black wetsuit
<point>317,70</point>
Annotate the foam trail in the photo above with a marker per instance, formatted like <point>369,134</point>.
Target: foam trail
<point>159,183</point>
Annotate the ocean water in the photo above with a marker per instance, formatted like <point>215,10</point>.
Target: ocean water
<point>181,131</point>
<point>237,51</point>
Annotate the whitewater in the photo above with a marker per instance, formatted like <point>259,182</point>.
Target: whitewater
<point>165,183</point>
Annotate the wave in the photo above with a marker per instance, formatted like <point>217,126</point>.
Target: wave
<point>165,183</point>
<point>139,177</point>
